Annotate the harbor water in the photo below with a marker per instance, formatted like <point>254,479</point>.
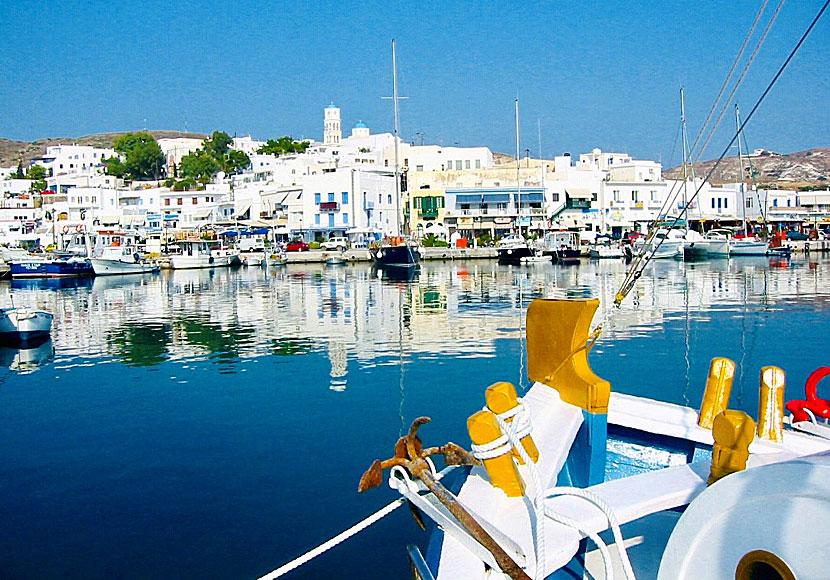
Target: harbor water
<point>214,424</point>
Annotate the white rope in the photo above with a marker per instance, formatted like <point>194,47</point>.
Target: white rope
<point>495,448</point>
<point>538,496</point>
<point>594,537</point>
<point>341,537</point>
<point>609,514</point>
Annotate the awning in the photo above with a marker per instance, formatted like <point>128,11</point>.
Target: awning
<point>109,220</point>
<point>292,197</point>
<point>579,193</point>
<point>529,197</point>
<point>133,220</point>
<point>242,211</point>
<point>202,213</point>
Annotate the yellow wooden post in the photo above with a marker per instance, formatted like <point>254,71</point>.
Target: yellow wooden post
<point>771,404</point>
<point>718,389</point>
<point>733,432</point>
<point>504,474</point>
<point>501,397</point>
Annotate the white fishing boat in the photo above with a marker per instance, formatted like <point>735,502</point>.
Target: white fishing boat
<point>749,246</point>
<point>718,240</point>
<point>201,254</point>
<point>120,260</point>
<point>682,493</point>
<point>664,244</point>
<point>22,324</point>
<point>275,260</point>
<point>605,248</point>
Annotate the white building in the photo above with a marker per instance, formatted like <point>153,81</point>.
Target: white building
<point>73,160</point>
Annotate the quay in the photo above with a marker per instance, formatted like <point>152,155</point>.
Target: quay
<point>362,255</point>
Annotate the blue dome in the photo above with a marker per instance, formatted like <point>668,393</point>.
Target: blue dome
<point>360,125</point>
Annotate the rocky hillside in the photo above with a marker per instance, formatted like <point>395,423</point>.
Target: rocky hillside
<point>805,168</point>
<point>12,152</point>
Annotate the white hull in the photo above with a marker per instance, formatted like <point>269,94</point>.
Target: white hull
<point>718,248</point>
<point>107,267</point>
<point>604,252</point>
<point>200,261</point>
<point>669,249</point>
<point>24,324</point>
<point>748,248</point>
<point>252,258</point>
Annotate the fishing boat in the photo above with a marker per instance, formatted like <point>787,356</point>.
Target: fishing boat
<point>119,260</point>
<point>514,250</point>
<point>558,479</point>
<point>563,247</point>
<point>23,324</point>
<point>335,261</point>
<point>27,357</point>
<point>603,248</point>
<point>51,266</point>
<point>275,260</point>
<point>664,244</point>
<point>718,240</point>
<point>201,254</point>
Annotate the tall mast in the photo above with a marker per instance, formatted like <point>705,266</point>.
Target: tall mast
<point>518,180</point>
<point>398,208</point>
<point>741,169</point>
<point>685,146</point>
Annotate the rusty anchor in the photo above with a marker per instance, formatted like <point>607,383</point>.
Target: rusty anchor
<point>411,455</point>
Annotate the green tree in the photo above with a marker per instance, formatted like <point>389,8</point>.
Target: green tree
<point>218,144</point>
<point>200,166</point>
<point>142,156</point>
<point>282,146</point>
<point>37,174</point>
<point>235,161</point>
<point>19,173</point>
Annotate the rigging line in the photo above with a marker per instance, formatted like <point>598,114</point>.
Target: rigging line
<point>674,145</point>
<point>731,72</point>
<point>741,78</point>
<point>625,289</point>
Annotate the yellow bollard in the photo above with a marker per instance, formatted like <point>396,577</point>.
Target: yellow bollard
<point>771,404</point>
<point>733,432</point>
<point>484,429</point>
<point>718,389</point>
<point>501,397</point>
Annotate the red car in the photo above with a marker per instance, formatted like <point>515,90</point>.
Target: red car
<point>296,246</point>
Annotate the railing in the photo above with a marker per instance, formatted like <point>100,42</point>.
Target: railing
<point>329,206</point>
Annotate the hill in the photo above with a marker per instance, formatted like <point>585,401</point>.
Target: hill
<point>794,170</point>
<point>12,152</point>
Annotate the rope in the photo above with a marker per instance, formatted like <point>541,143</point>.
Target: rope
<point>339,538</point>
<point>495,448</point>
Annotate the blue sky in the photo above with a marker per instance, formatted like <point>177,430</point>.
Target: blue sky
<point>588,74</point>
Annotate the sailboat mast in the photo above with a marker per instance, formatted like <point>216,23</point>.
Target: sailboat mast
<point>685,146</point>
<point>741,170</point>
<point>518,180</point>
<point>398,208</point>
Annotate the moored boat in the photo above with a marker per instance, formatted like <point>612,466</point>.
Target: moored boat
<point>120,260</point>
<point>396,252</point>
<point>51,267</point>
<point>571,460</point>
<point>22,324</point>
<point>201,254</point>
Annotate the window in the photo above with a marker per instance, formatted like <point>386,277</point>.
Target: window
<point>593,197</point>
<point>458,165</point>
<point>654,196</point>
<point>93,199</point>
<point>635,195</point>
<point>774,202</point>
<point>478,163</point>
<point>316,199</point>
<point>720,202</point>
<point>331,196</point>
<point>317,218</point>
<point>390,199</point>
<point>331,220</point>
<point>713,203</point>
<point>179,201</point>
<point>167,201</point>
<point>345,218</point>
<point>345,197</point>
<point>555,197</point>
<point>466,164</point>
<point>195,200</point>
<point>617,195</point>
<point>749,203</point>
<point>725,203</point>
<point>419,168</point>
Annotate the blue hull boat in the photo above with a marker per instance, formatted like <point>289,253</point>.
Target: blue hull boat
<point>51,268</point>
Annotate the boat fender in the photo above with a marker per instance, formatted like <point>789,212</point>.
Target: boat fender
<point>733,431</point>
<point>771,404</point>
<point>718,389</point>
<point>494,450</point>
<point>380,253</point>
<point>137,257</point>
<point>65,229</point>
<point>502,400</point>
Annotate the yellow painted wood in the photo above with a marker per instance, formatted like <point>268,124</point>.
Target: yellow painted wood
<point>718,389</point>
<point>733,431</point>
<point>501,397</point>
<point>557,332</point>
<point>771,404</point>
<point>483,429</point>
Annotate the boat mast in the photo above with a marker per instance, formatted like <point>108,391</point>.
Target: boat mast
<point>518,180</point>
<point>398,207</point>
<point>685,146</point>
<point>741,169</point>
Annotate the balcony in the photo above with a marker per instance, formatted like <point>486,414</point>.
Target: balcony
<point>429,212</point>
<point>329,206</point>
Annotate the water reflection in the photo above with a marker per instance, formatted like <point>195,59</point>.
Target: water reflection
<point>29,358</point>
<point>363,313</point>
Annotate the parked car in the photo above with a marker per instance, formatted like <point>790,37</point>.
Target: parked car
<point>796,236</point>
<point>296,246</point>
<point>339,244</point>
